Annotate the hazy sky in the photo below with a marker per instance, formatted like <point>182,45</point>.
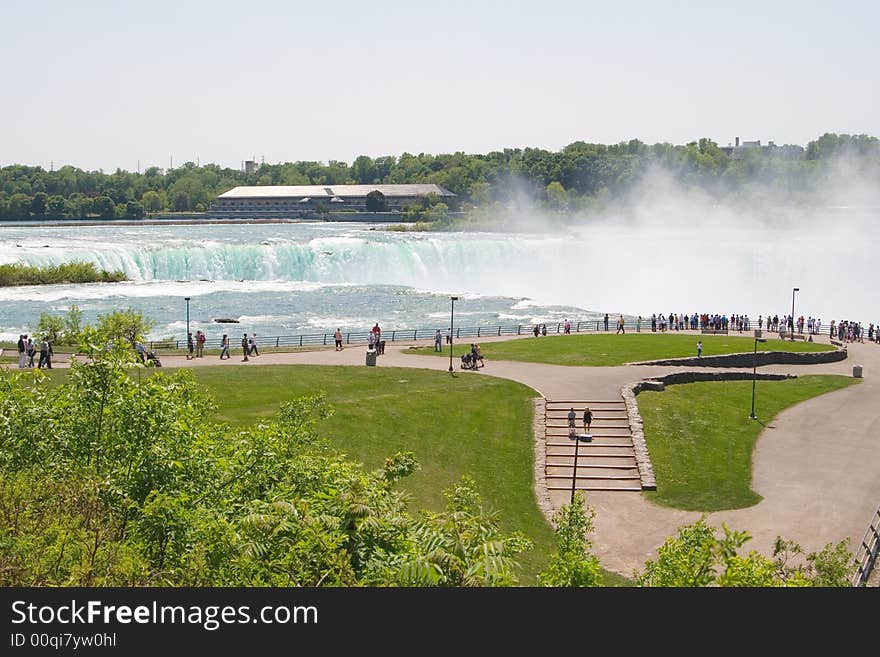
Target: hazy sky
<point>102,84</point>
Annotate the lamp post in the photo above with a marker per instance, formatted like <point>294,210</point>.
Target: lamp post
<point>793,290</point>
<point>755,374</point>
<point>574,473</point>
<point>451,329</point>
<point>187,325</point>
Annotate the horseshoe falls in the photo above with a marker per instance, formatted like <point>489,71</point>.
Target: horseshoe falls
<point>284,279</point>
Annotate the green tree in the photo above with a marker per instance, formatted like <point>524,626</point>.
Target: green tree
<point>120,329</point>
<point>364,171</point>
<point>19,206</point>
<point>104,207</point>
<point>52,327</point>
<point>557,196</point>
<point>38,204</point>
<point>573,564</point>
<point>134,210</point>
<point>56,207</point>
<point>181,201</point>
<point>376,201</point>
<point>151,201</point>
<point>697,557</point>
<point>73,325</point>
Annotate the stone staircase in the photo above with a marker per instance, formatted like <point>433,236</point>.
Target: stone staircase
<point>608,462</point>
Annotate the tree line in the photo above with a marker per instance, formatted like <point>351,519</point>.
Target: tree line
<point>579,177</point>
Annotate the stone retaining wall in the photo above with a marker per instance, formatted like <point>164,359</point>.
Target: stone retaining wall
<point>542,493</point>
<point>629,392</point>
<point>643,458</point>
<point>748,360</point>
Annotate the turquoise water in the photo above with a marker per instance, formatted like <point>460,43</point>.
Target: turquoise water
<point>288,279</point>
<point>276,279</point>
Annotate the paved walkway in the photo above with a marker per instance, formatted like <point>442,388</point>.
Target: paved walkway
<point>816,465</point>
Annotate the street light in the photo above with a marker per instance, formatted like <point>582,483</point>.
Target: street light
<point>574,474</point>
<point>187,325</point>
<point>796,289</point>
<point>755,373</point>
<point>451,325</point>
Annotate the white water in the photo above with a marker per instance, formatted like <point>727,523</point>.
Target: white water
<point>284,278</point>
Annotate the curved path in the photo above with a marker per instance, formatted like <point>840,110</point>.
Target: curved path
<point>815,465</point>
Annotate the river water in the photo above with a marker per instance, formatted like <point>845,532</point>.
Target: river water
<point>287,279</point>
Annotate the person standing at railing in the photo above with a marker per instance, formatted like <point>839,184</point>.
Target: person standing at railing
<point>449,336</point>
<point>438,341</point>
<point>338,338</point>
<point>606,321</point>
<point>639,324</point>
<point>244,347</point>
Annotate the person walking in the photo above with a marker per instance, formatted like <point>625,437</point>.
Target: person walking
<point>567,327</point>
<point>189,346</point>
<point>699,348</point>
<point>244,347</point>
<point>620,327</point>
<point>31,351</point>
<point>22,352</point>
<point>588,420</point>
<point>224,347</point>
<point>478,354</point>
<point>438,341</point>
<point>45,354</point>
<point>571,419</point>
<point>338,338</point>
<point>449,336</point>
<point>253,344</point>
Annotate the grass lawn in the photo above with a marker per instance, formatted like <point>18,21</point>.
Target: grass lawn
<point>701,438</point>
<point>608,349</point>
<point>480,426</point>
<point>466,425</point>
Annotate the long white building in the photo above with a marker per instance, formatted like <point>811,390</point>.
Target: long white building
<point>293,200</point>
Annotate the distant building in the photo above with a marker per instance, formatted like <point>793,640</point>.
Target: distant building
<point>250,166</point>
<point>298,200</point>
<point>736,151</point>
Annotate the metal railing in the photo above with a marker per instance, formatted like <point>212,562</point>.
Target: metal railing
<point>866,555</point>
<point>414,335</point>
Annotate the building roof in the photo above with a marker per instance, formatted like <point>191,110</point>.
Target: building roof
<point>348,191</point>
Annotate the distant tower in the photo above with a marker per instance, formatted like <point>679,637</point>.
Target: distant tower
<point>737,142</point>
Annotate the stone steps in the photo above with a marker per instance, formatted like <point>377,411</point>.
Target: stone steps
<point>605,463</point>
